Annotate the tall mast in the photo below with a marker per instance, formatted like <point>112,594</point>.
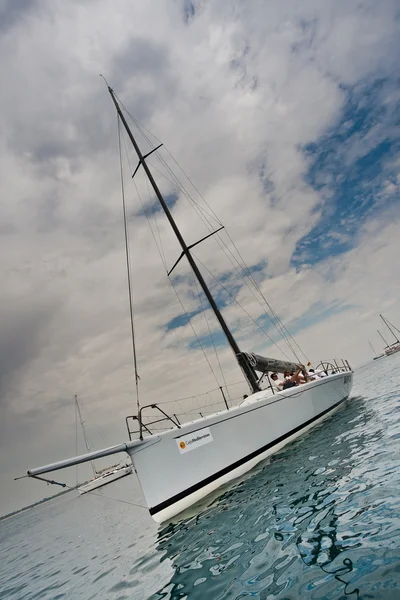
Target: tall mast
<point>390,329</point>
<point>78,408</point>
<point>387,345</point>
<point>240,357</point>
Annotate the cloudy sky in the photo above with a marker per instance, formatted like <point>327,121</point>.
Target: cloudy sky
<point>285,115</point>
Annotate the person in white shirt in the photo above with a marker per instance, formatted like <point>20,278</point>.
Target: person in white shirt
<point>277,385</point>
<point>312,375</point>
<point>316,374</point>
<point>320,373</point>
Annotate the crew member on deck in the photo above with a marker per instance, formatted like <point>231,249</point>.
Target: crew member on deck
<point>277,385</point>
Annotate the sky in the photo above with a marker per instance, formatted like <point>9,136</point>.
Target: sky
<point>286,118</point>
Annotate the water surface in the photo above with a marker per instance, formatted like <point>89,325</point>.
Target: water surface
<point>320,520</point>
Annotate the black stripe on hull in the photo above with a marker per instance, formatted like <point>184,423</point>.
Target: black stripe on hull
<point>197,486</point>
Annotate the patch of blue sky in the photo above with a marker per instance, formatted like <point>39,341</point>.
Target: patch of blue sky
<point>257,269</point>
<point>223,297</point>
<point>181,320</point>
<point>350,166</point>
<point>189,10</point>
<point>316,314</point>
<point>218,340</point>
<point>155,206</point>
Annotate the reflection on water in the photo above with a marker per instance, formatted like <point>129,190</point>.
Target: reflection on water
<point>319,520</point>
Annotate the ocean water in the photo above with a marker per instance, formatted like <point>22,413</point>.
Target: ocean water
<point>320,520</point>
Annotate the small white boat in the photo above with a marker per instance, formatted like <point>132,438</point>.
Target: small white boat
<point>105,478</point>
<point>186,462</point>
<point>100,476</point>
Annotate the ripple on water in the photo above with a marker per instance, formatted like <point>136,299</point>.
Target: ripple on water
<point>313,521</point>
<point>319,521</point>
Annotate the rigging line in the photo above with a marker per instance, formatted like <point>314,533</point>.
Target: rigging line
<point>195,334</point>
<point>183,190</point>
<point>158,229</point>
<point>203,394</point>
<point>92,464</point>
<point>179,184</point>
<point>232,259</point>
<point>239,269</point>
<point>224,247</point>
<point>206,221</point>
<point>76,441</point>
<point>176,181</point>
<point>108,497</point>
<point>192,184</point>
<point>281,329</point>
<point>211,335</point>
<point>144,209</point>
<point>128,268</point>
<point>387,323</point>
<point>262,295</point>
<point>228,249</point>
<point>278,324</point>
<point>117,500</point>
<point>89,418</point>
<point>248,273</point>
<point>170,280</point>
<point>238,303</point>
<point>141,127</point>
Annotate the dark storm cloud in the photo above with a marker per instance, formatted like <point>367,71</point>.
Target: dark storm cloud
<point>12,11</point>
<point>22,330</point>
<point>92,121</point>
<point>151,80</point>
<point>45,142</point>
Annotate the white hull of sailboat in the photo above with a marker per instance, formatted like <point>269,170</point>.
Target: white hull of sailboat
<point>392,350</point>
<point>181,466</point>
<point>105,479</point>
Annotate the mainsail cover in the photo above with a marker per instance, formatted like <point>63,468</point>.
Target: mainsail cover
<point>264,365</point>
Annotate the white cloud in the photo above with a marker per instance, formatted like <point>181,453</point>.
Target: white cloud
<point>236,92</point>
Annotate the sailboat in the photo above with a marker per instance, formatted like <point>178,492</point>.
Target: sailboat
<point>183,464</point>
<point>100,476</point>
<point>394,346</point>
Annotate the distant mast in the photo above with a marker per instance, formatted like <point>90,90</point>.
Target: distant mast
<point>372,348</point>
<point>385,342</point>
<point>389,326</point>
<point>78,409</point>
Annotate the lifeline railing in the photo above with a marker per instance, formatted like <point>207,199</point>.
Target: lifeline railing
<point>141,425</point>
<point>333,366</point>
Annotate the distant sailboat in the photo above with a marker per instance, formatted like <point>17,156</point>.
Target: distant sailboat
<point>394,346</point>
<point>100,476</point>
